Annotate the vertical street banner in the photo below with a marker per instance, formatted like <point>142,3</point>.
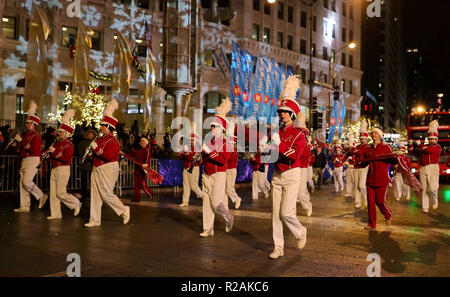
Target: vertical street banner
<point>248,61</point>
<point>282,76</point>
<point>342,116</point>
<point>265,108</point>
<point>237,81</point>
<point>221,61</point>
<point>257,89</point>
<point>276,89</point>
<point>333,122</point>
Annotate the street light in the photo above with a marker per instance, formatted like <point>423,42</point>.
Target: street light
<point>271,1</point>
<point>351,45</point>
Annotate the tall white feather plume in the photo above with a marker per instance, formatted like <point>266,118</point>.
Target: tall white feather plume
<point>67,116</point>
<point>290,87</point>
<point>224,108</point>
<point>111,108</point>
<point>301,120</point>
<point>32,108</point>
<point>433,127</point>
<point>230,128</point>
<point>363,127</point>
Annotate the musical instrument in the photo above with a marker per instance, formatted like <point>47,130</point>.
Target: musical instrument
<point>87,151</point>
<point>11,141</point>
<point>47,154</point>
<point>197,158</point>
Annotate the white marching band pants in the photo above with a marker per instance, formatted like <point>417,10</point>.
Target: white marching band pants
<point>103,180</point>
<point>429,178</point>
<point>58,192</point>
<point>338,178</point>
<point>285,186</point>
<point>310,178</point>
<point>230,190</point>
<point>349,181</point>
<point>190,183</point>
<point>360,179</point>
<point>213,193</point>
<point>303,194</point>
<point>28,170</point>
<point>400,189</point>
<point>260,183</point>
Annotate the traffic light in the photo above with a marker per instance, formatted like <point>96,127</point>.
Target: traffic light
<point>314,103</point>
<point>317,120</point>
<point>336,95</point>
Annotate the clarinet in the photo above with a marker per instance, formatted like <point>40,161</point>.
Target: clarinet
<point>196,160</point>
<point>47,154</point>
<point>9,144</point>
<point>88,150</point>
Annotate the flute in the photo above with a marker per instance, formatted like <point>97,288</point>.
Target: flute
<point>86,153</point>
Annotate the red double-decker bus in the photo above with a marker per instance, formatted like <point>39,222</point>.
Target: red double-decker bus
<point>418,130</point>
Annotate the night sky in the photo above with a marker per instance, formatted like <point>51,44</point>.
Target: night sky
<point>427,28</point>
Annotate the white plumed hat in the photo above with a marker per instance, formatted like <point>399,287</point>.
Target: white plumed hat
<point>433,129</point>
<point>108,118</point>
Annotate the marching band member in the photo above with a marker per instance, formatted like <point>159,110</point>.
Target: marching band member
<point>429,167</point>
<point>143,156</point>
<point>190,180</point>
<point>312,159</point>
<point>303,194</point>
<point>350,164</point>
<point>291,142</point>
<point>61,155</point>
<point>338,160</point>
<point>230,190</point>
<point>377,179</point>
<point>106,170</point>
<point>360,172</point>
<point>30,152</point>
<point>401,188</point>
<point>216,154</point>
<point>259,176</point>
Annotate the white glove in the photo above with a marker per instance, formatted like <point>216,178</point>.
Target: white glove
<point>418,141</point>
<point>51,149</point>
<point>264,140</point>
<point>144,166</point>
<point>206,149</point>
<point>18,138</point>
<point>186,148</point>
<point>93,145</point>
<point>264,148</point>
<point>276,139</point>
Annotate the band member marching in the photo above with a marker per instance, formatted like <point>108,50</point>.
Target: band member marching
<point>190,180</point>
<point>429,167</point>
<point>338,160</point>
<point>360,170</point>
<point>142,156</point>
<point>231,170</point>
<point>350,165</point>
<point>105,151</point>
<point>291,142</point>
<point>259,176</point>
<point>61,156</point>
<point>30,152</point>
<point>215,158</point>
<point>400,187</point>
<point>303,194</point>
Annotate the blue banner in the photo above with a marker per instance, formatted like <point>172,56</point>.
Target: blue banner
<point>276,89</point>
<point>258,89</point>
<point>333,120</point>
<point>342,117</point>
<point>236,82</point>
<point>265,108</point>
<point>248,61</point>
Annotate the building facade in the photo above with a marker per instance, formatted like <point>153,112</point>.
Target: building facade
<point>280,31</point>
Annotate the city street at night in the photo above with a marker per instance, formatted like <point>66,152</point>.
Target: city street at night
<point>162,239</point>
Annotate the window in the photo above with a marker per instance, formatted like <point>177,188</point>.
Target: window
<point>343,59</point>
<point>333,56</point>
<point>325,27</point>
<point>314,50</point>
<point>344,34</point>
<point>96,41</point>
<point>344,9</point>
<point>303,74</point>
<point>350,61</point>
<point>350,35</point>
<point>280,39</point>
<point>351,12</point>
<point>208,60</point>
<point>266,35</point>
<point>290,14</point>
<point>313,75</point>
<point>281,11</point>
<point>256,5</point>
<point>333,5</point>
<point>303,46</point>
<point>141,49</point>
<point>267,8</point>
<point>303,17</point>
<point>333,30</point>
<point>343,84</point>
<point>143,4</point>
<point>135,108</point>
<point>325,53</point>
<point>69,36</point>
<point>325,3</point>
<point>9,27</point>
<point>19,104</point>
<point>314,24</point>
<point>289,42</point>
<point>350,87</point>
<point>161,5</point>
<point>255,32</point>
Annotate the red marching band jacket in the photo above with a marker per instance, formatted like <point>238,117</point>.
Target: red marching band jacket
<point>33,139</point>
<point>188,158</point>
<point>142,156</point>
<point>62,155</point>
<point>429,154</point>
<point>232,160</point>
<point>306,156</point>
<point>293,142</point>
<point>256,161</point>
<point>338,160</point>
<point>378,175</point>
<point>217,159</point>
<point>107,150</point>
<point>312,159</point>
<point>358,155</point>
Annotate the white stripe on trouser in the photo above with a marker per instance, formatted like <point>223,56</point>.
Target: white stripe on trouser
<point>349,181</point>
<point>230,187</point>
<point>303,194</point>
<point>190,183</point>
<point>310,178</point>
<point>260,183</point>
<point>338,178</point>
<point>27,172</point>
<point>429,178</point>
<point>58,193</point>
<point>213,193</point>
<point>285,187</point>
<point>103,180</point>
<point>360,179</point>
